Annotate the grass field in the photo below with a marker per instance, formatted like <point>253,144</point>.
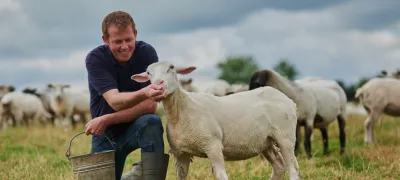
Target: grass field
<point>38,153</point>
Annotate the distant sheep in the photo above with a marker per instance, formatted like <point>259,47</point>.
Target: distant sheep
<point>135,173</point>
<point>378,96</point>
<point>235,88</point>
<point>319,103</point>
<point>235,127</point>
<point>5,89</point>
<point>46,98</point>
<point>67,102</point>
<point>23,108</point>
<point>187,84</point>
<point>218,88</point>
<point>394,74</point>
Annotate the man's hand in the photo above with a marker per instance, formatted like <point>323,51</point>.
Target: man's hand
<point>96,126</point>
<point>155,92</point>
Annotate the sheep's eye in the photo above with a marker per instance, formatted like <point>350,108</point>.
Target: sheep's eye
<point>170,67</point>
<point>148,73</point>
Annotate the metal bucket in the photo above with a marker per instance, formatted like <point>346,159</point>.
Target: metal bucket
<point>93,166</point>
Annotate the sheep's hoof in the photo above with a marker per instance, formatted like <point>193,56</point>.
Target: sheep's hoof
<point>309,156</point>
<point>341,151</point>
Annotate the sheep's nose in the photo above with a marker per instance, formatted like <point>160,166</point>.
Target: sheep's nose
<point>159,82</point>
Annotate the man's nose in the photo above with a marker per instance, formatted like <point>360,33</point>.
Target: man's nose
<point>124,45</point>
<point>159,82</point>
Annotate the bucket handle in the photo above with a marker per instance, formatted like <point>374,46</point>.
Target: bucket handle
<point>67,154</point>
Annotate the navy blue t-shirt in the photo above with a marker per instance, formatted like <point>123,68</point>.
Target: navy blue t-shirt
<point>105,73</point>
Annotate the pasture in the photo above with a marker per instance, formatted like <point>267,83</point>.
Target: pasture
<point>38,153</point>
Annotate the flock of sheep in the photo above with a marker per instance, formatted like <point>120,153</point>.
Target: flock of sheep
<point>56,102</point>
<point>227,122</point>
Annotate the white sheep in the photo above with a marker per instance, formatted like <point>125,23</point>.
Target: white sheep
<point>319,102</point>
<point>5,89</point>
<point>355,109</point>
<point>23,108</point>
<point>46,98</point>
<point>218,88</point>
<point>67,102</point>
<point>235,127</point>
<point>187,84</point>
<point>135,173</point>
<point>237,87</point>
<point>393,74</point>
<point>378,95</point>
<point>4,121</point>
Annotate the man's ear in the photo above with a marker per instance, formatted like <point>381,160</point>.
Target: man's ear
<point>142,77</point>
<point>105,39</point>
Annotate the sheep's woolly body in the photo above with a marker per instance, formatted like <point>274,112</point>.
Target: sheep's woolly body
<point>243,122</point>
<point>319,102</point>
<point>234,127</point>
<point>24,107</point>
<point>379,95</point>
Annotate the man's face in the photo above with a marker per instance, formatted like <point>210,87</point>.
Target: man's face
<point>121,42</point>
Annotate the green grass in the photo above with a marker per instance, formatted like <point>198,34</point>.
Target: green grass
<point>38,153</point>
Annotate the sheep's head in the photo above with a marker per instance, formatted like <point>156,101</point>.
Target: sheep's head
<point>57,90</point>
<point>260,79</point>
<point>187,84</point>
<point>29,90</point>
<point>163,73</point>
<point>394,74</point>
<point>4,89</point>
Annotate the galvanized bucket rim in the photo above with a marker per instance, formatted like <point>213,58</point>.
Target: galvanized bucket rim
<point>67,153</point>
<point>90,154</point>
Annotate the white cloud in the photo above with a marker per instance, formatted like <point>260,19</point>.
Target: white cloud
<point>319,42</point>
<point>9,4</point>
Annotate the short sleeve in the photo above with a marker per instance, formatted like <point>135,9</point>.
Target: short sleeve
<point>99,76</point>
<point>151,57</point>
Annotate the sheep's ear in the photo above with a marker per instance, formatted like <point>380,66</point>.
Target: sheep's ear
<point>185,70</point>
<point>142,77</point>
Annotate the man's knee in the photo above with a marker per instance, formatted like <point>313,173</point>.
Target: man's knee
<point>152,122</point>
<point>151,136</point>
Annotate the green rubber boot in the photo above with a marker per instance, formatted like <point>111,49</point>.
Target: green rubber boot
<point>154,166</point>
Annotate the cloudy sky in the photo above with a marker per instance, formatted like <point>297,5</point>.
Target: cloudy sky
<point>44,41</point>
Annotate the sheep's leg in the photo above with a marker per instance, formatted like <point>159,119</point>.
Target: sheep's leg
<point>287,150</point>
<point>182,162</point>
<point>18,117</point>
<point>298,140</point>
<point>369,126</point>
<point>39,118</point>
<point>307,141</point>
<point>342,133</point>
<point>70,116</point>
<point>216,158</point>
<point>324,134</point>
<point>273,157</point>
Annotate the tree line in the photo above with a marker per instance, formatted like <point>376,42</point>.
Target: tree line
<point>239,69</point>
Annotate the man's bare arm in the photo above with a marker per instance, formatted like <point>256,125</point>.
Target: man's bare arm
<point>145,107</point>
<point>123,100</point>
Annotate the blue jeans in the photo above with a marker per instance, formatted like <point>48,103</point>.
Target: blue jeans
<point>146,132</point>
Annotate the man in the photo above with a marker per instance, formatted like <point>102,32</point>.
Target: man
<point>122,109</point>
